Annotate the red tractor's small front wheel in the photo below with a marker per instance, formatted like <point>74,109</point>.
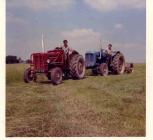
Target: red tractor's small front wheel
<point>56,75</point>
<point>29,76</point>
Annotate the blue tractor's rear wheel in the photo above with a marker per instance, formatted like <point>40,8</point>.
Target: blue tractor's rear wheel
<point>118,64</point>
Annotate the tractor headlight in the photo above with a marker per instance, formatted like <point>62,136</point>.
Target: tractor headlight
<point>48,61</point>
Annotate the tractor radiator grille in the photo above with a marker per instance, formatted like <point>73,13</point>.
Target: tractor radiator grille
<point>39,61</point>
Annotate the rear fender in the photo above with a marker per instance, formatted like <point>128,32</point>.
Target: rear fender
<point>115,53</point>
<point>74,52</point>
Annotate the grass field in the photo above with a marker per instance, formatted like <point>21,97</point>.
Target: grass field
<point>94,106</point>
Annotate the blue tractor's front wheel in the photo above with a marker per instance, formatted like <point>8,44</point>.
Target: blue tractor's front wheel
<point>103,69</point>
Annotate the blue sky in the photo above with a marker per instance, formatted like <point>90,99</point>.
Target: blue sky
<point>83,22</point>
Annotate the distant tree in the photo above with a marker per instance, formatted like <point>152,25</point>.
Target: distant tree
<point>11,59</point>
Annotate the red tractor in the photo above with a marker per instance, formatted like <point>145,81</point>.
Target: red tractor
<point>55,64</point>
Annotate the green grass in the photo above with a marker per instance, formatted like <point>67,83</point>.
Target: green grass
<point>95,106</point>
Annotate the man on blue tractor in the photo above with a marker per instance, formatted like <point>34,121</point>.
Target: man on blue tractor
<point>109,52</point>
<point>109,49</point>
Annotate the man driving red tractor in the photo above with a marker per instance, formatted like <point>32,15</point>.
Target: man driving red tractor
<point>66,48</point>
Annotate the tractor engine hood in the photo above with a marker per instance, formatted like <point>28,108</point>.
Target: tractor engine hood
<point>91,58</point>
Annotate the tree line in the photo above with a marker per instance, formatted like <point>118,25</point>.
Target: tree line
<point>10,59</point>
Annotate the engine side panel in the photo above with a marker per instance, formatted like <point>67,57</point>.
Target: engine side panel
<point>91,59</point>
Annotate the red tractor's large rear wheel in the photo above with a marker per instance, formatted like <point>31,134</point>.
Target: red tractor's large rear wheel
<point>29,76</point>
<point>56,75</point>
<point>77,67</point>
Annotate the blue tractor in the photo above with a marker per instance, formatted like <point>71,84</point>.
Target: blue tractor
<point>102,63</point>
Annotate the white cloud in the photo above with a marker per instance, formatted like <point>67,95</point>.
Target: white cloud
<point>82,39</point>
<point>118,26</point>
<point>109,5</point>
<point>80,34</point>
<point>39,5</point>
